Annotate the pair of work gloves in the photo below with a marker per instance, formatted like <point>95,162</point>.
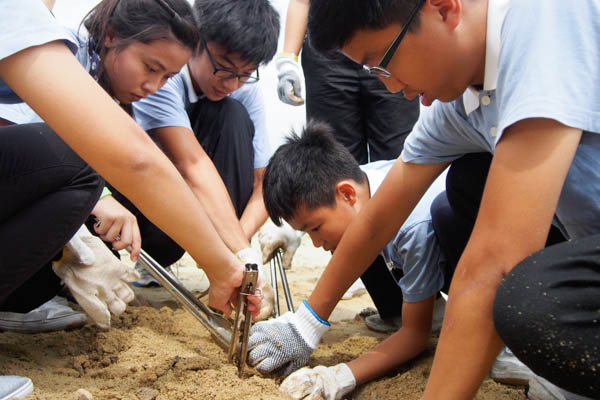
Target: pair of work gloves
<point>97,279</point>
<point>286,343</point>
<point>271,238</point>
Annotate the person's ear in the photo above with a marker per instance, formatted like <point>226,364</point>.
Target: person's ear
<point>347,192</point>
<point>449,11</point>
<point>110,40</point>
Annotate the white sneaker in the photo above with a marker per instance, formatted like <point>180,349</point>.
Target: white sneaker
<point>357,288</point>
<point>146,279</point>
<point>14,387</point>
<point>54,315</point>
<point>542,389</point>
<point>509,369</point>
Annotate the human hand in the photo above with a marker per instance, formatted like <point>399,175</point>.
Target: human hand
<point>95,277</point>
<point>117,225</point>
<point>285,343</point>
<point>271,237</point>
<point>250,256</point>
<point>328,383</point>
<point>289,88</point>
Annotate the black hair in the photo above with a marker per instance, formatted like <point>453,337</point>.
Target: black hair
<point>249,28</point>
<point>142,21</point>
<point>331,23</point>
<point>304,171</point>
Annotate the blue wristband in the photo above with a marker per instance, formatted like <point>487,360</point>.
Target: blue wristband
<point>321,320</point>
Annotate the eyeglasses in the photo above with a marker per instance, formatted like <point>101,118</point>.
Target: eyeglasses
<point>381,69</point>
<point>226,74</point>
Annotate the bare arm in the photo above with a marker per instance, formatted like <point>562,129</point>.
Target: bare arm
<point>410,340</point>
<point>520,196</point>
<point>95,127</point>
<point>255,213</point>
<point>376,225</point>
<point>199,172</point>
<point>295,26</point>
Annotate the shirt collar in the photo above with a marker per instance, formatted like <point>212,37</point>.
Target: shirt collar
<point>495,17</point>
<point>189,86</point>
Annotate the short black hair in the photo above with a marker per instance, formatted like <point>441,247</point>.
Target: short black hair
<point>249,28</point>
<point>331,23</point>
<point>304,171</point>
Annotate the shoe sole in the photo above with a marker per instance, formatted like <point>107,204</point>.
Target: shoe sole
<point>21,392</point>
<point>52,325</point>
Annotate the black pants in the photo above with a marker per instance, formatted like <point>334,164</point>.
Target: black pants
<point>369,120</point>
<point>225,131</point>
<point>547,311</point>
<point>46,193</point>
<point>454,211</point>
<point>372,124</point>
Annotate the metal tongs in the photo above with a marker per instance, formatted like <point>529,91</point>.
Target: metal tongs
<point>276,262</point>
<point>248,288</point>
<point>219,327</point>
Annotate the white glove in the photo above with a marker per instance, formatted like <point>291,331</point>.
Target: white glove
<point>250,256</point>
<point>96,278</point>
<point>271,237</point>
<point>328,383</point>
<point>285,343</point>
<point>289,87</point>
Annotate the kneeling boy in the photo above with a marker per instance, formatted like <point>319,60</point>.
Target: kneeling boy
<point>315,184</point>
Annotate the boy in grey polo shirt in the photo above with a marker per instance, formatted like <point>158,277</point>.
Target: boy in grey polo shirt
<point>314,183</point>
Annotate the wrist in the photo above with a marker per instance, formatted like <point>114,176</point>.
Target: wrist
<point>344,377</point>
<point>288,54</point>
<point>310,326</point>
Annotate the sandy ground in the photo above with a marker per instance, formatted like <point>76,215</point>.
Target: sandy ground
<point>158,351</point>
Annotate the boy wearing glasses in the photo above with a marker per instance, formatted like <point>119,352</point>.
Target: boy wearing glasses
<point>210,121</point>
<point>518,80</point>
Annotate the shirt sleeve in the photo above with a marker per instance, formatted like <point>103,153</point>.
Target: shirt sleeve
<point>548,63</point>
<point>164,108</point>
<point>251,98</point>
<point>442,134</point>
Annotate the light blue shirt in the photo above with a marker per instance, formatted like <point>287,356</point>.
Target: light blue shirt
<point>21,113</point>
<point>168,106</point>
<point>415,249</point>
<point>543,61</point>
<point>24,24</point>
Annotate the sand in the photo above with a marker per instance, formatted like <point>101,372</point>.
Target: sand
<point>158,351</point>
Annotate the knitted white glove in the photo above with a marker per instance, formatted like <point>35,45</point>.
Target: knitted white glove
<point>328,383</point>
<point>271,237</point>
<point>96,278</point>
<point>286,343</point>
<point>289,87</point>
<point>250,256</point>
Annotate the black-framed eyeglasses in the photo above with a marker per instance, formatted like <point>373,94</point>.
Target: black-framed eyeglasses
<point>381,69</point>
<point>226,74</point>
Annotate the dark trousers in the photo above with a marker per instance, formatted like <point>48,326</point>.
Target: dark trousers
<point>547,311</point>
<point>369,120</point>
<point>46,193</point>
<point>225,131</point>
<point>372,124</point>
<point>454,211</point>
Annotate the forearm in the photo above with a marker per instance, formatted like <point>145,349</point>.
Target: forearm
<point>114,145</point>
<point>207,185</point>
<point>255,213</point>
<point>397,349</point>
<point>295,26</point>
